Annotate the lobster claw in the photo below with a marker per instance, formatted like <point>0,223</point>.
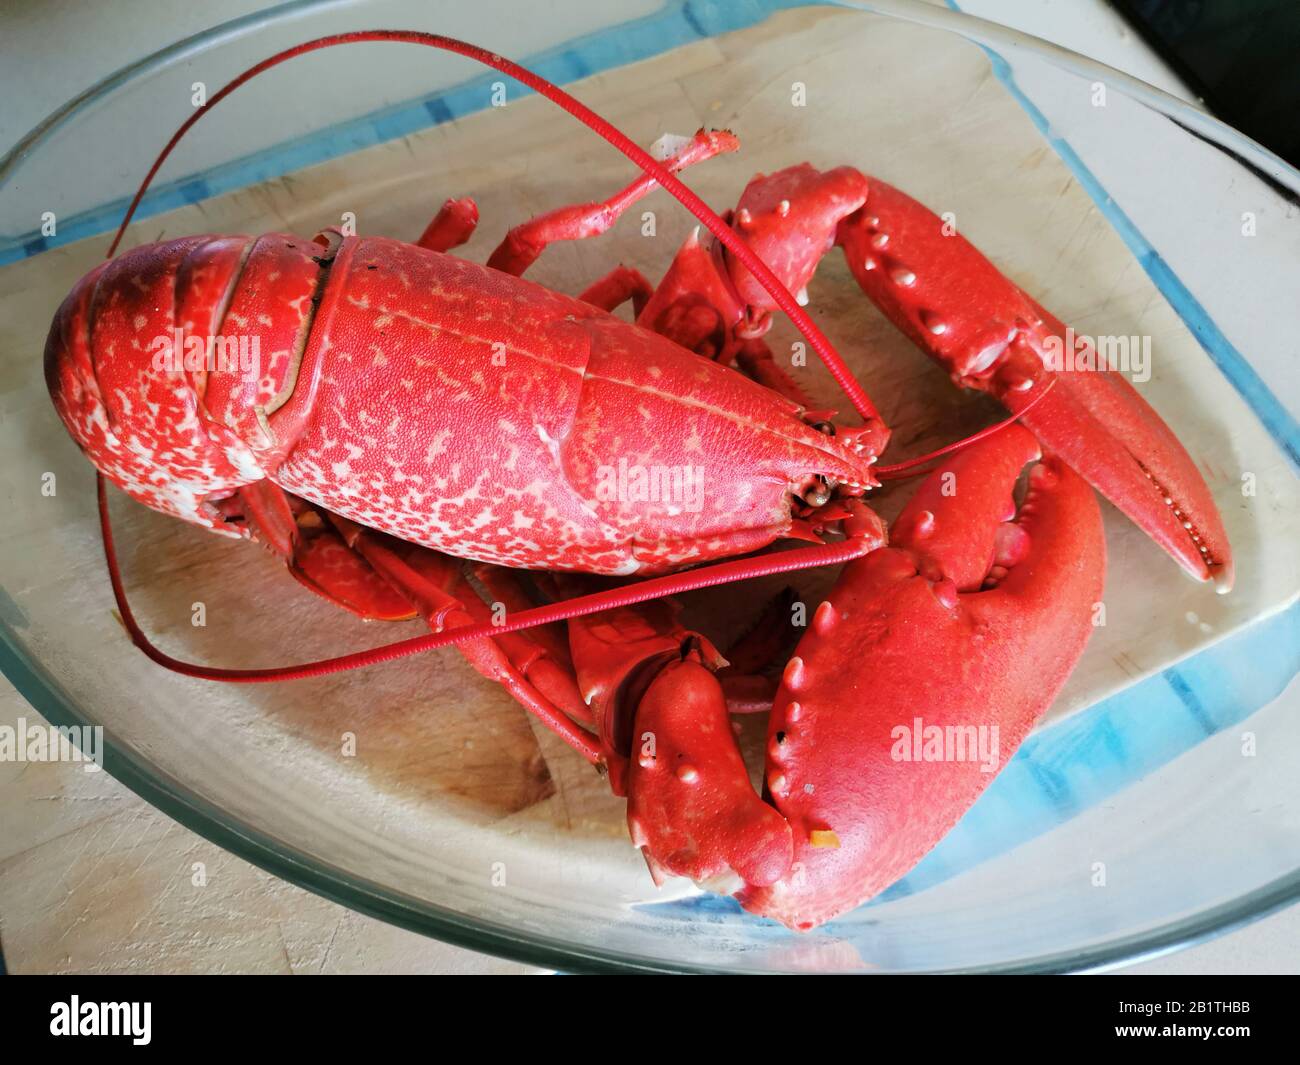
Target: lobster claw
<point>663,722</point>
<point>1110,435</point>
<point>924,671</point>
<point>691,807</point>
<point>957,306</point>
<point>616,656</point>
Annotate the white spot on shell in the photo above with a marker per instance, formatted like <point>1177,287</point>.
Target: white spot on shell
<point>934,323</point>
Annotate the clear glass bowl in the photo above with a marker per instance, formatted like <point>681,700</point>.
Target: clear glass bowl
<point>1156,806</point>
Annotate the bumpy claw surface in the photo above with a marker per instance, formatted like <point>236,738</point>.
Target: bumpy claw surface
<point>956,305</point>
<point>925,669</point>
<point>691,807</point>
<point>790,219</point>
<point>616,655</point>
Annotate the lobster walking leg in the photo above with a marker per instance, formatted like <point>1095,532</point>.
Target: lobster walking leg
<point>526,241</point>
<point>506,587</point>
<point>437,587</point>
<point>618,286</point>
<point>452,226</point>
<point>378,577</point>
<point>317,556</point>
<point>541,652</point>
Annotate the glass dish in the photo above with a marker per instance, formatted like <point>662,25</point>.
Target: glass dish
<point>1158,803</point>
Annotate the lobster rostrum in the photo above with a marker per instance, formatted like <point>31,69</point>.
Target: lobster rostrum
<point>421,429</point>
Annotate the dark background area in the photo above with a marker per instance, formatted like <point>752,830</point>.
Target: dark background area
<point>1242,57</point>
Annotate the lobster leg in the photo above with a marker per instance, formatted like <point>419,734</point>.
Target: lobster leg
<point>506,587</point>
<point>381,578</point>
<point>436,585</point>
<point>617,287</point>
<point>316,555</point>
<point>526,241</point>
<point>542,653</point>
<point>452,226</point>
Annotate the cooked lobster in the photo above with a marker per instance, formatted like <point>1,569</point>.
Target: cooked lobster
<point>411,414</point>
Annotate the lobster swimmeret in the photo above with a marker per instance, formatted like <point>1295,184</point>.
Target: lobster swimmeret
<point>413,410</point>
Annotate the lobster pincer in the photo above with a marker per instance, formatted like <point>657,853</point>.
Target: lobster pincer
<point>937,288</point>
<point>662,718</point>
<point>924,670</point>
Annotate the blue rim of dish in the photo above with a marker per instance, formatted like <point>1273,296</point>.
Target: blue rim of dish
<point>678,24</point>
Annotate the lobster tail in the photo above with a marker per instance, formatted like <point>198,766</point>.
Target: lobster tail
<point>165,364</point>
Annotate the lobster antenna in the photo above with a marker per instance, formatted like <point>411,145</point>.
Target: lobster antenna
<point>911,467</point>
